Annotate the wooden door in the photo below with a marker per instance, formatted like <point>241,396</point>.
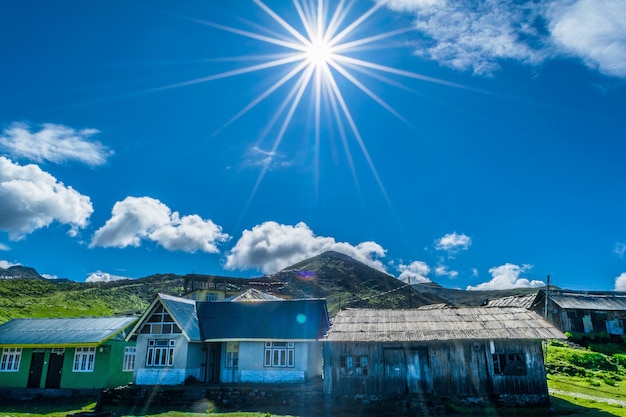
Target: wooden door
<point>418,371</point>
<point>36,368</point>
<point>395,371</point>
<point>55,369</point>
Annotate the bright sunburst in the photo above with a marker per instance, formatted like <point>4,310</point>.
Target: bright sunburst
<point>322,49</point>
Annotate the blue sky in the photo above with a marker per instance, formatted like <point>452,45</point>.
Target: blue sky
<point>474,144</point>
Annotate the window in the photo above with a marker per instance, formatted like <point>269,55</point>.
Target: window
<point>160,353</point>
<point>353,365</point>
<point>11,359</point>
<point>279,354</point>
<point>232,354</point>
<point>160,322</point>
<point>129,358</point>
<point>509,364</point>
<point>211,297</point>
<point>84,358</point>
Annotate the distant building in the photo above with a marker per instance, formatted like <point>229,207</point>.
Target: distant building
<point>74,353</point>
<point>583,311</point>
<point>464,353</point>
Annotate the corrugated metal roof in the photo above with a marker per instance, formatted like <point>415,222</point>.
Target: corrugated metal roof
<point>62,332</point>
<point>253,295</point>
<point>367,325</point>
<point>183,311</point>
<point>524,301</point>
<point>263,320</point>
<point>606,301</point>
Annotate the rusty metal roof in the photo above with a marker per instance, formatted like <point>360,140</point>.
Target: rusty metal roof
<point>368,325</point>
<point>604,301</point>
<point>524,301</point>
<point>63,332</point>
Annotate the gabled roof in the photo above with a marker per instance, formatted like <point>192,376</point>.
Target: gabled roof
<point>65,332</point>
<point>524,301</point>
<point>604,301</point>
<point>367,325</point>
<point>263,320</point>
<point>253,295</point>
<point>183,312</point>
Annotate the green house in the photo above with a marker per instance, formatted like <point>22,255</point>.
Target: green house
<point>71,353</point>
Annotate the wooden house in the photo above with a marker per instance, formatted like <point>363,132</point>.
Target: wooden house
<point>74,353</point>
<point>585,312</point>
<point>264,341</point>
<point>465,353</point>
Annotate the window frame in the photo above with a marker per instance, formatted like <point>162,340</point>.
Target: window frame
<point>11,359</point>
<point>160,352</point>
<point>503,361</point>
<point>130,357</point>
<point>354,365</point>
<point>279,354</point>
<point>84,359</point>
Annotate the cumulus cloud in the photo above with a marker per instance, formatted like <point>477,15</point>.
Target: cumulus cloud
<point>53,143</point>
<point>507,276</point>
<point>7,264</point>
<point>136,219</point>
<point>453,242</point>
<point>593,31</point>
<point>478,36</point>
<point>31,199</point>
<point>620,282</point>
<point>415,272</point>
<point>443,270</point>
<point>271,246</point>
<point>100,276</point>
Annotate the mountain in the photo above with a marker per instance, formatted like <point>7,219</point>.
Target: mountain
<point>346,282</point>
<point>19,272</point>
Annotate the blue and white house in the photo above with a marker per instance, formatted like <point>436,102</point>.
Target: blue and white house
<point>251,341</point>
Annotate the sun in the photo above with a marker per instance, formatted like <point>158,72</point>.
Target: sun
<point>319,53</point>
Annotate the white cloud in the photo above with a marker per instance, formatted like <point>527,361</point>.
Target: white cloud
<point>100,276</point>
<point>507,276</point>
<point>257,157</point>
<point>594,31</point>
<point>620,248</point>
<point>443,270</point>
<point>271,247</point>
<point>31,199</point>
<point>53,143</point>
<point>143,218</point>
<point>415,272</point>
<point>478,36</point>
<point>453,242</point>
<point>4,247</point>
<point>7,264</point>
<point>620,282</point>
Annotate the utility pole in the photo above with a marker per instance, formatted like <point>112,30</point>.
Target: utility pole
<point>547,296</point>
<point>410,299</point>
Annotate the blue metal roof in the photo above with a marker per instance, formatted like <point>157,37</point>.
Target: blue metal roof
<point>263,320</point>
<point>183,311</point>
<point>63,332</point>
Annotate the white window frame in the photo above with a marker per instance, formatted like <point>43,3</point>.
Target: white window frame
<point>11,358</point>
<point>279,355</point>
<point>84,359</point>
<point>129,359</point>
<point>160,352</point>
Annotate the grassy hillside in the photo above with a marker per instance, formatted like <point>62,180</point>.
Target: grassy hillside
<point>30,298</point>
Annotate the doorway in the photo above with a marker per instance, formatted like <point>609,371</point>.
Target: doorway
<point>36,369</point>
<point>55,369</point>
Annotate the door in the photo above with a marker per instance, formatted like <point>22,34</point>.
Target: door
<point>418,371</point>
<point>395,371</point>
<point>36,368</point>
<point>55,368</point>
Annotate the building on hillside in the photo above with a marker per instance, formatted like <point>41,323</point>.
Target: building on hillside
<point>266,341</point>
<point>73,353</point>
<point>466,353</point>
<point>585,312</point>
